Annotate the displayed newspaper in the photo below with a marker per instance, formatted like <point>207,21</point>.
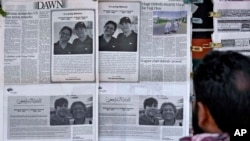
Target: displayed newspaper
<point>233,41</point>
<point>50,112</point>
<point>233,16</point>
<point>145,112</point>
<point>165,41</point>
<point>49,41</point>
<point>119,41</point>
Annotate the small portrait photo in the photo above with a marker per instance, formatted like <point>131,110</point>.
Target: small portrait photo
<point>73,38</point>
<point>71,110</point>
<point>161,110</point>
<point>169,23</point>
<point>118,33</point>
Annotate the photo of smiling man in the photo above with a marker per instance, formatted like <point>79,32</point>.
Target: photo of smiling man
<point>150,111</point>
<point>169,112</point>
<point>128,38</point>
<point>59,116</point>
<point>78,110</point>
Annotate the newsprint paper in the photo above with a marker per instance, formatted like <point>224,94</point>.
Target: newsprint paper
<point>50,112</point>
<point>155,51</point>
<point>138,50</point>
<point>153,104</point>
<point>46,47</point>
<point>234,16</point>
<point>233,41</point>
<point>49,41</point>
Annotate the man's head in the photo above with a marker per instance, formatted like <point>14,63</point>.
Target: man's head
<point>168,111</point>
<point>125,24</point>
<point>61,106</point>
<point>110,27</point>
<point>150,106</point>
<point>80,29</point>
<point>222,90</point>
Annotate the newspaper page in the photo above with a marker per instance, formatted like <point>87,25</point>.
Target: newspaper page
<point>234,16</point>
<point>119,41</point>
<point>157,106</point>
<point>165,41</point>
<point>48,112</point>
<point>233,41</point>
<point>39,42</point>
<point>143,112</point>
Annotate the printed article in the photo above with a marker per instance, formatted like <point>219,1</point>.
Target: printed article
<point>50,113</point>
<point>33,29</point>
<point>233,42</point>
<point>119,41</point>
<point>165,41</point>
<point>142,112</point>
<point>73,36</point>
<point>233,16</point>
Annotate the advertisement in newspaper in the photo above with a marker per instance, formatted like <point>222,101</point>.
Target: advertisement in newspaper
<point>165,41</point>
<point>73,46</point>
<point>233,16</point>
<point>52,113</point>
<point>30,32</point>
<point>119,41</point>
<point>145,112</point>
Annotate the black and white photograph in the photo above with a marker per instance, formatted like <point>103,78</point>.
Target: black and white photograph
<point>71,110</point>
<point>169,22</point>
<point>161,110</point>
<point>118,33</point>
<point>73,38</point>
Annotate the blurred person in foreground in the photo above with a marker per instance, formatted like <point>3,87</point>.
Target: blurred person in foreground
<point>222,97</point>
<point>150,107</point>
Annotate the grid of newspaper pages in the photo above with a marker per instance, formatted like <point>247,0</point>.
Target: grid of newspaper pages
<point>83,70</point>
<point>232,26</point>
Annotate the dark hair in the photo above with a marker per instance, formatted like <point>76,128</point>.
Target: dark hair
<point>111,22</point>
<point>125,20</point>
<point>67,28</point>
<point>222,83</point>
<point>80,25</point>
<point>60,102</point>
<point>149,102</point>
<point>76,103</point>
<point>168,103</point>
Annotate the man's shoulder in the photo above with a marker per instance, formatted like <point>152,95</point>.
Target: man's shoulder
<point>207,136</point>
<point>120,35</point>
<point>76,40</point>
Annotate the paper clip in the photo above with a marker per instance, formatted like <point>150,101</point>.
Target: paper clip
<point>193,1</point>
<point>196,49</point>
<point>215,45</point>
<point>214,14</point>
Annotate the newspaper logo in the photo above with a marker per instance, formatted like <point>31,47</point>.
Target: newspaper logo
<point>49,4</point>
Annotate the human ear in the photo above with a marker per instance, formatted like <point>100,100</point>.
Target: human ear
<point>206,120</point>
